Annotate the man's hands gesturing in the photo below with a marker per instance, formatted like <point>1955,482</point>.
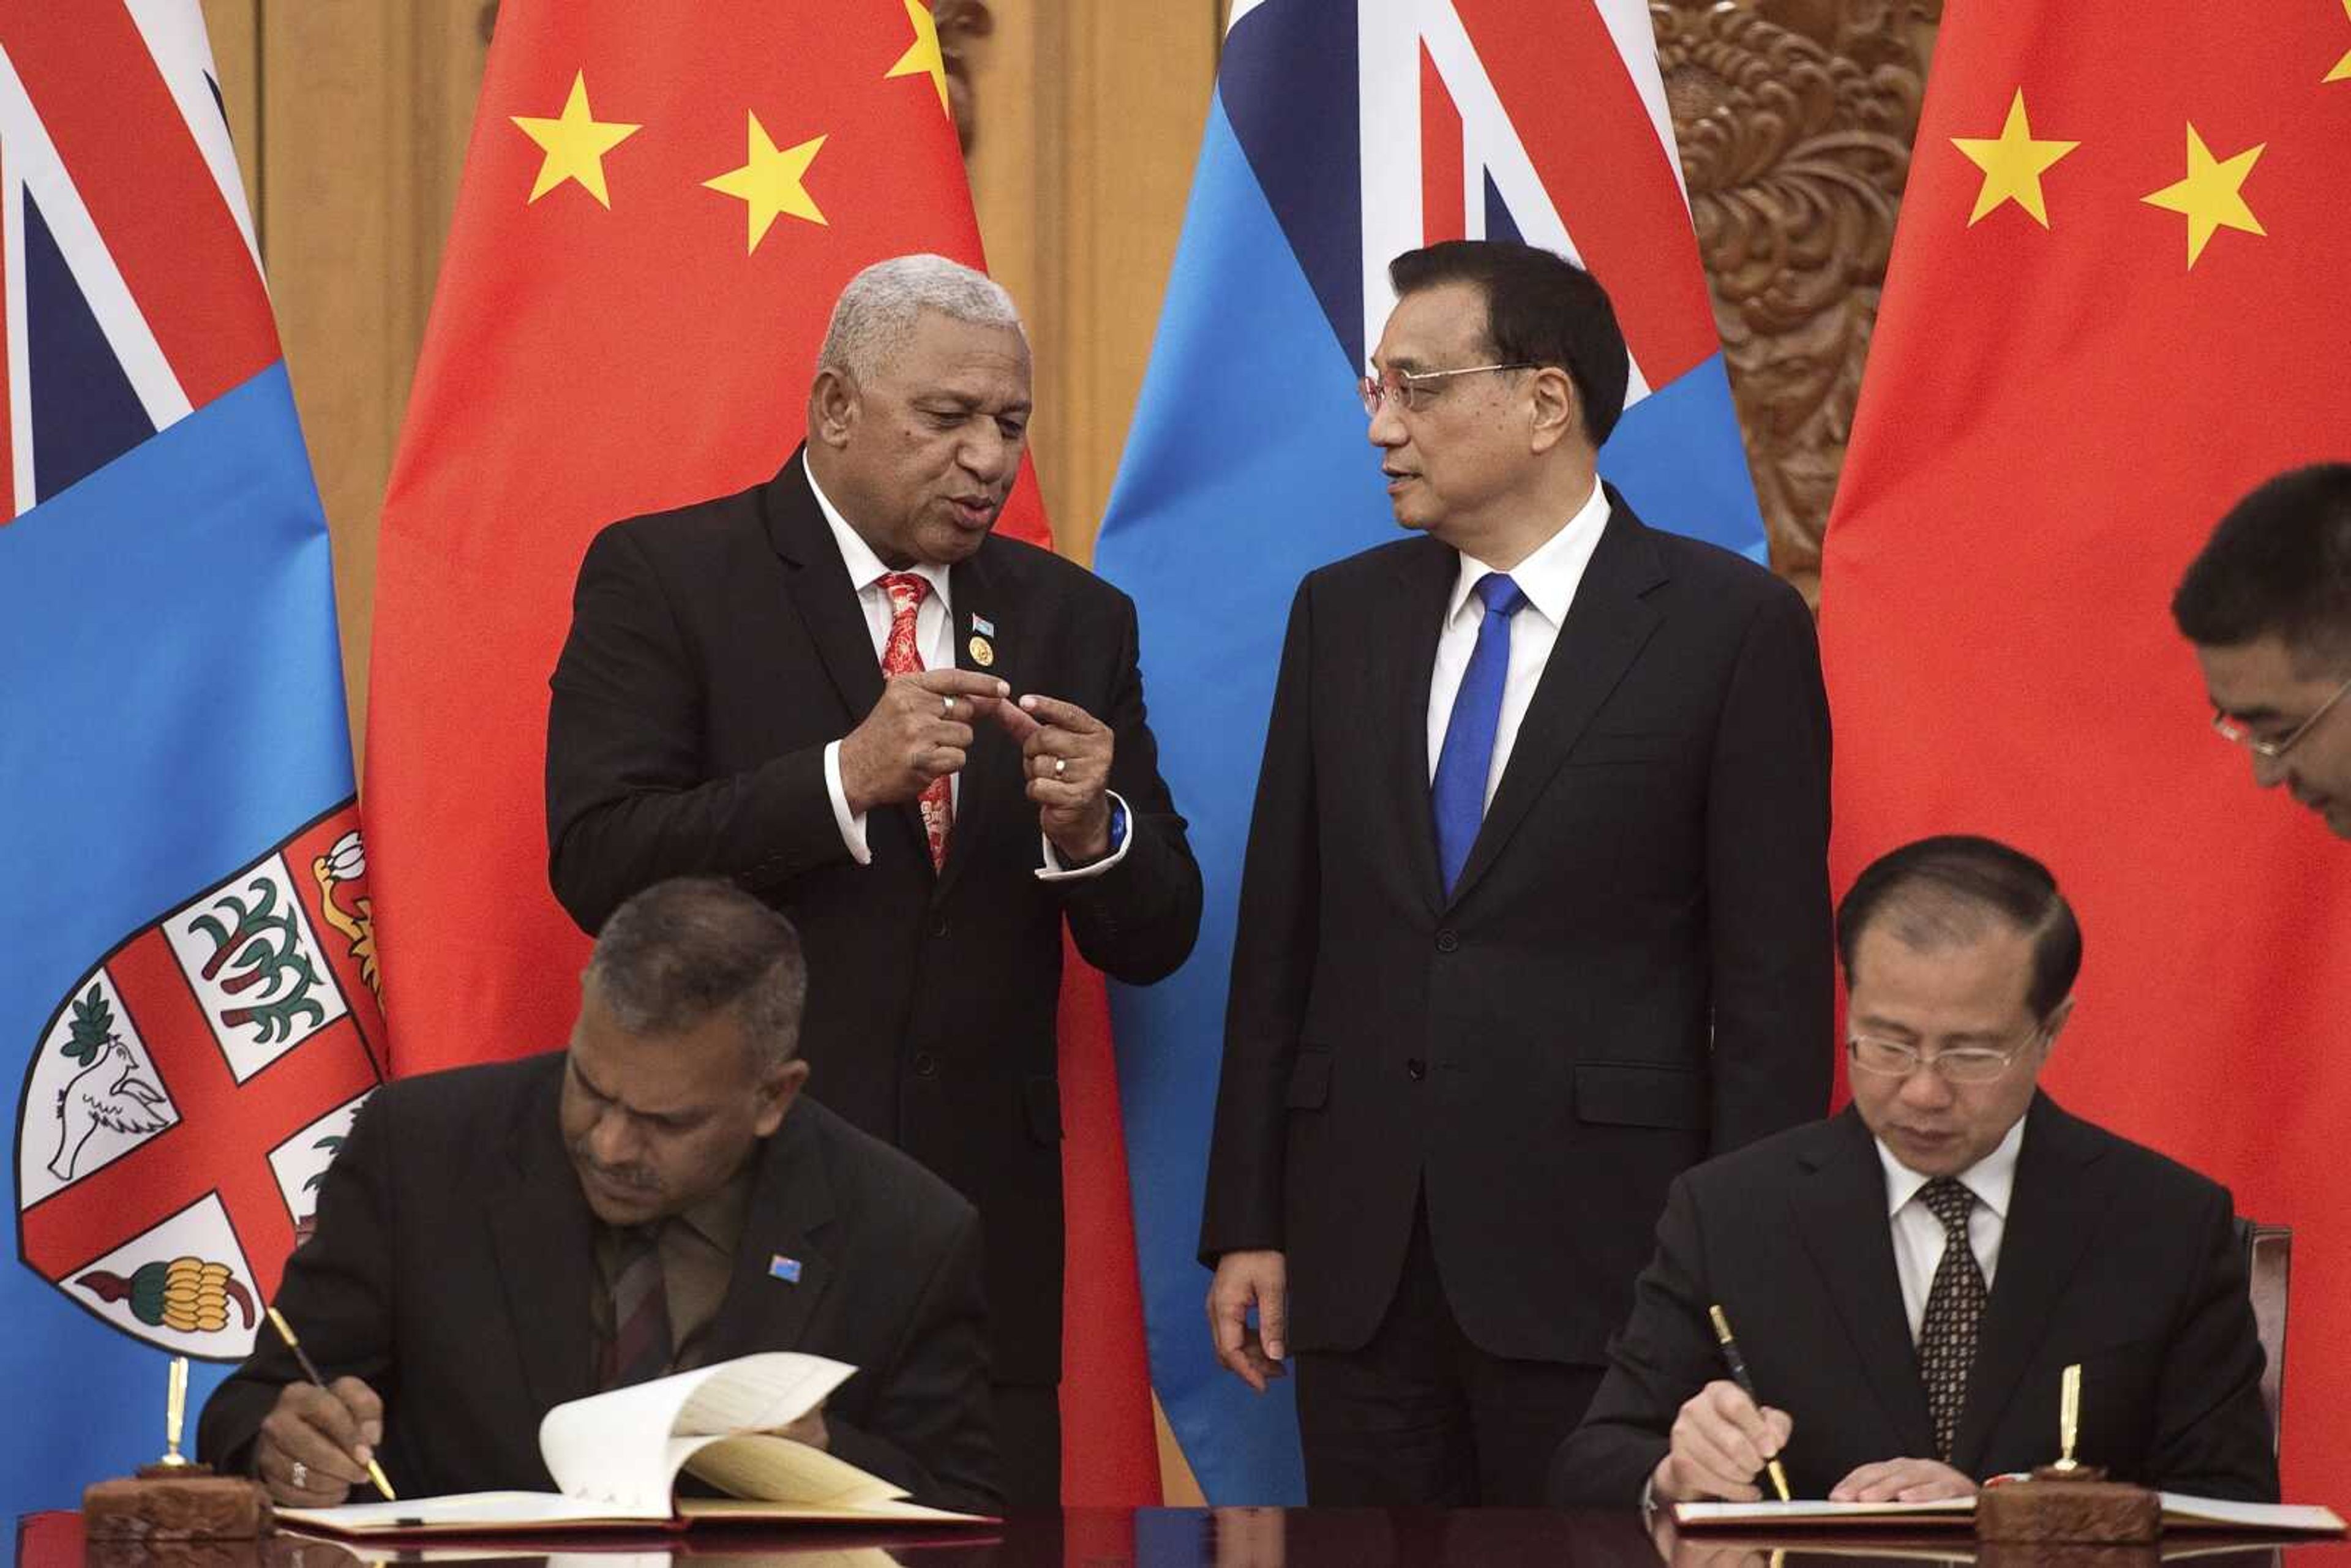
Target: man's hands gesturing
<point>920,730</point>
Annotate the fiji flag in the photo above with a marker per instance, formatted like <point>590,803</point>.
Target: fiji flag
<point>187,962</point>
<point>1343,132</point>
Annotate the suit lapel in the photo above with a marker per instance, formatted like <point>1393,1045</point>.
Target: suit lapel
<point>1840,1213</point>
<point>2055,1207</point>
<point>975,590</point>
<point>1607,626</point>
<point>1407,645</point>
<point>784,1233</point>
<point>544,1238</point>
<point>818,581</point>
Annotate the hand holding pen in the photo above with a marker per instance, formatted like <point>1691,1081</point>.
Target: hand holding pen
<point>319,1440</point>
<point>1722,1439</point>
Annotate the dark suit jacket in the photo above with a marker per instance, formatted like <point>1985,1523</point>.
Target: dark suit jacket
<point>1633,972</point>
<point>714,651</point>
<point>454,1258</point>
<point>2111,1256</point>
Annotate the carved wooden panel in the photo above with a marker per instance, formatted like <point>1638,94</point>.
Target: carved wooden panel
<point>1795,118</point>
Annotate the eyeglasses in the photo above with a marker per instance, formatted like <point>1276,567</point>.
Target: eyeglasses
<point>1410,389</point>
<point>1960,1064</point>
<point>2235,731</point>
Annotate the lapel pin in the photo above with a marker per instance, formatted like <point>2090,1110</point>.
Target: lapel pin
<point>983,653</point>
<point>787,1269</point>
<point>982,626</point>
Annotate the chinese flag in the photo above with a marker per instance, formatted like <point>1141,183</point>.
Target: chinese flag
<point>2116,302</point>
<point>657,212</point>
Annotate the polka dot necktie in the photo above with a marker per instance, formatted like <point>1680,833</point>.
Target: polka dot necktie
<point>901,656</point>
<point>1955,1306</point>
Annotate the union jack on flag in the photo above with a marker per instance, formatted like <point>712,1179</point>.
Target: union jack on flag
<point>1344,132</point>
<point>187,979</point>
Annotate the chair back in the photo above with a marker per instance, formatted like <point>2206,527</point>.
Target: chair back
<point>2269,1260</point>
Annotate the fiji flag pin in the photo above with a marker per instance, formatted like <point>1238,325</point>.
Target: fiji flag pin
<point>983,653</point>
<point>787,1269</point>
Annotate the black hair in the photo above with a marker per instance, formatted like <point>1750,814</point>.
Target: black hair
<point>685,949</point>
<point>2278,564</point>
<point>1541,310</point>
<point>1937,891</point>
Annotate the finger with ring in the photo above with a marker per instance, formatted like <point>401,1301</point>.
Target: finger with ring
<point>946,706</point>
<point>1061,766</point>
<point>299,1477</point>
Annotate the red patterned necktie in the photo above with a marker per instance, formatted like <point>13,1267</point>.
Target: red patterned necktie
<point>901,656</point>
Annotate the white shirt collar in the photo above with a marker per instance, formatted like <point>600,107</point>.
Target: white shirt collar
<point>865,568</point>
<point>1991,1178</point>
<point>1547,577</point>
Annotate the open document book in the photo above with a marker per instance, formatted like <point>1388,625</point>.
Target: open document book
<point>2181,1511</point>
<point>618,1455</point>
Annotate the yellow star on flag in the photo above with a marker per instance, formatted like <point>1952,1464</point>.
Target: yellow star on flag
<point>2342,71</point>
<point>2012,163</point>
<point>924,54</point>
<point>575,144</point>
<point>769,182</point>
<point>2211,197</point>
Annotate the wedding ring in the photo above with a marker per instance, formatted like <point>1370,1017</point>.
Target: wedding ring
<point>300,1478</point>
<point>1061,766</point>
<point>946,707</point>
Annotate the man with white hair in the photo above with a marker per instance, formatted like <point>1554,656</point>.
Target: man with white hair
<point>924,742</point>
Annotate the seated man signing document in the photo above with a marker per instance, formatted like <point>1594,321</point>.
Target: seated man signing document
<point>1908,1279</point>
<point>496,1240</point>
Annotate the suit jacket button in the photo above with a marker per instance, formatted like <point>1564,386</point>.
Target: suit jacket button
<point>1416,1070</point>
<point>1446,941</point>
<point>939,926</point>
<point>926,1064</point>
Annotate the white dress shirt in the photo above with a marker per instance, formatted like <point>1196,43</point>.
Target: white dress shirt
<point>934,642</point>
<point>1919,1236</point>
<point>1549,578</point>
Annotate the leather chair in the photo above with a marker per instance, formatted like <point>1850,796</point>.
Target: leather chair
<point>2269,1260</point>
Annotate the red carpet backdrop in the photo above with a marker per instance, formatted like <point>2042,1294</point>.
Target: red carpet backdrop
<point>2116,303</point>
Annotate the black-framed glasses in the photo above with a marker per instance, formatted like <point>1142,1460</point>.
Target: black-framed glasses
<point>2236,733</point>
<point>1409,390</point>
<point>1960,1064</point>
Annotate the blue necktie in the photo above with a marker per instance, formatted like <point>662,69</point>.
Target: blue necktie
<point>1459,791</point>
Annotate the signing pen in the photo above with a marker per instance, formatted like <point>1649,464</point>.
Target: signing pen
<point>310,1370</point>
<point>1738,1365</point>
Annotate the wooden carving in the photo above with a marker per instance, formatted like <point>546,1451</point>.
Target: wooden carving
<point>1795,118</point>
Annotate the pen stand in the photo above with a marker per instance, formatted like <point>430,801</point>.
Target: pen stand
<point>175,1503</point>
<point>2078,1506</point>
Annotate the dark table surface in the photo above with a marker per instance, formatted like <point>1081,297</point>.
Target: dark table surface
<point>1174,1538</point>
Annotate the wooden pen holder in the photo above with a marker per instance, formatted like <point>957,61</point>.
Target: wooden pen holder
<point>2078,1506</point>
<point>175,1503</point>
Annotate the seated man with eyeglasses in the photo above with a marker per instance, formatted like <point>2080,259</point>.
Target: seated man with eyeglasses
<point>2267,602</point>
<point>1887,1362</point>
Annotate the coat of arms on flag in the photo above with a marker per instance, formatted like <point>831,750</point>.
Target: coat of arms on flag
<point>152,1187</point>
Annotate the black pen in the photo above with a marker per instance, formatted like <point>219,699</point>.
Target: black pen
<point>1738,1365</point>
<point>310,1370</point>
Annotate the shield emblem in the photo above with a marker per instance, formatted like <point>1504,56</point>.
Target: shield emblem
<point>189,1091</point>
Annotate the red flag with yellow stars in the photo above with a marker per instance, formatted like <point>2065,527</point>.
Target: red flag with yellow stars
<point>2118,302</point>
<point>657,212</point>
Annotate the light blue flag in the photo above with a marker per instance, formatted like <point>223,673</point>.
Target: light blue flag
<point>186,954</point>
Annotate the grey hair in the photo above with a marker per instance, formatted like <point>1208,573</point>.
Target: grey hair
<point>876,312</point>
<point>689,947</point>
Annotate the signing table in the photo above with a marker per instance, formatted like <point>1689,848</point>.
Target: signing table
<point>1166,1537</point>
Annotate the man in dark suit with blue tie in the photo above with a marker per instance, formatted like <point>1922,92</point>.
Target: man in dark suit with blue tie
<point>1535,911</point>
